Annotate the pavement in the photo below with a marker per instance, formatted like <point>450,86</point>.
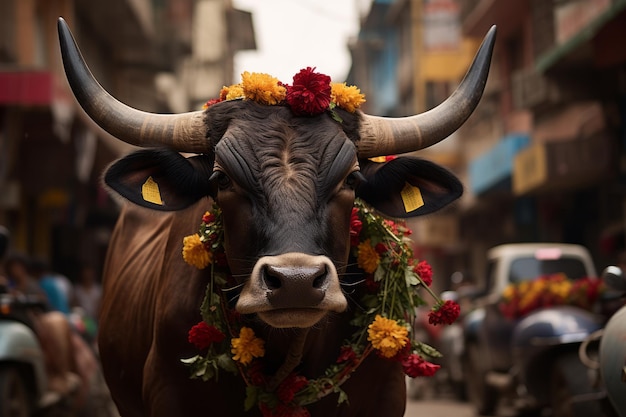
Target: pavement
<point>438,408</point>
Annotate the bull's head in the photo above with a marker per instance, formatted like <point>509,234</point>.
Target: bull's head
<point>286,184</point>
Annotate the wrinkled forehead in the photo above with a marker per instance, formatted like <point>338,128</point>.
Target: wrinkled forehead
<point>302,147</point>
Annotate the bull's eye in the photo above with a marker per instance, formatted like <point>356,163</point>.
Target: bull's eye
<point>221,179</point>
<point>353,180</point>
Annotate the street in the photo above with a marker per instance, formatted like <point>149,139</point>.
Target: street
<point>443,407</point>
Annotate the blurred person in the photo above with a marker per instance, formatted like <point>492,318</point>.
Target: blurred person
<point>88,292</point>
<point>51,327</point>
<point>52,284</point>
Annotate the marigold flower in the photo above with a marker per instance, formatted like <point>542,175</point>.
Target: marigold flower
<point>425,272</point>
<point>231,92</point>
<point>202,335</point>
<point>194,252</point>
<point>262,88</point>
<point>387,336</point>
<point>414,365</point>
<point>348,98</point>
<point>310,92</point>
<point>247,346</point>
<point>367,258</point>
<point>444,313</point>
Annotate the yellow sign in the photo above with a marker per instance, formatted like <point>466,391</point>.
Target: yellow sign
<point>150,192</point>
<point>411,197</point>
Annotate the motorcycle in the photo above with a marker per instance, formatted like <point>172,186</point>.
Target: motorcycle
<point>609,360</point>
<point>23,382</point>
<point>24,385</point>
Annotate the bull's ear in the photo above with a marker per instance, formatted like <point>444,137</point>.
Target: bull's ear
<point>407,186</point>
<point>160,179</point>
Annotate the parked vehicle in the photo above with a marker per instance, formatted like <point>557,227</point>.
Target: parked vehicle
<point>23,382</point>
<point>608,363</point>
<point>525,326</point>
<point>24,390</point>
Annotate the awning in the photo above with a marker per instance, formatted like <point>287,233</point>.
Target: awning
<point>26,88</point>
<point>583,36</point>
<point>560,165</point>
<point>496,166</point>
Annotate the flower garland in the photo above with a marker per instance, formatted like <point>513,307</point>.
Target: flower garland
<point>393,279</point>
<point>310,94</point>
<point>549,290</point>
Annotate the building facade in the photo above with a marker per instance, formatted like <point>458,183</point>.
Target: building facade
<point>150,54</point>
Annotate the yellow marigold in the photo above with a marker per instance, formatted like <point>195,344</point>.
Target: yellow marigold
<point>347,97</point>
<point>194,252</point>
<point>387,336</point>
<point>367,258</point>
<point>262,88</point>
<point>247,346</point>
<point>509,292</point>
<point>231,92</point>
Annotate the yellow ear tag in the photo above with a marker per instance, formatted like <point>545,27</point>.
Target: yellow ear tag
<point>411,197</point>
<point>379,159</point>
<point>150,192</point>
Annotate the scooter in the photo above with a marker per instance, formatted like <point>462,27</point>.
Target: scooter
<point>610,361</point>
<point>23,380</point>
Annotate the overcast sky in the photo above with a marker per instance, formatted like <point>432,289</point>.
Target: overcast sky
<point>295,34</point>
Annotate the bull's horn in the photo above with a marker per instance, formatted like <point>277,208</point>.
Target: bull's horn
<point>388,136</point>
<point>184,132</point>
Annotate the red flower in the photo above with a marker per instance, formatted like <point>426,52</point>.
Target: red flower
<point>255,373</point>
<point>310,92</point>
<point>290,386</point>
<point>371,285</point>
<point>424,270</point>
<point>380,248</point>
<point>208,217</point>
<point>202,335</point>
<point>444,313</point>
<point>346,354</point>
<point>414,365</point>
<point>355,227</point>
<point>211,102</point>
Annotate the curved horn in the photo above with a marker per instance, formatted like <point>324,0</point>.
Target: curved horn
<point>184,132</point>
<point>388,136</point>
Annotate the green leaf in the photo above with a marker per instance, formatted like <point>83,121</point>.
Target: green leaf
<point>225,362</point>
<point>252,395</point>
<point>343,397</point>
<point>429,350</point>
<point>410,277</point>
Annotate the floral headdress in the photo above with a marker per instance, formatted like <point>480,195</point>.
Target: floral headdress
<point>311,93</point>
<point>392,282</point>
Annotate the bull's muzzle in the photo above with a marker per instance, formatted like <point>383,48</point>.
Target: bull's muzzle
<point>292,290</point>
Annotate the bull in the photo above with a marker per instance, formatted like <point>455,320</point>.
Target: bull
<point>285,185</point>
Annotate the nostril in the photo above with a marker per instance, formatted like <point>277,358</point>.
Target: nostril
<point>271,280</point>
<point>320,281</point>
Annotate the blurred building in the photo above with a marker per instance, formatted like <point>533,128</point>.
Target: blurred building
<point>154,55</point>
<point>542,158</point>
<point>545,149</point>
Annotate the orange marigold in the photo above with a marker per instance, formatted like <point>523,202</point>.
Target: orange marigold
<point>347,97</point>
<point>367,257</point>
<point>247,346</point>
<point>387,336</point>
<point>262,88</point>
<point>194,252</point>
<point>231,92</point>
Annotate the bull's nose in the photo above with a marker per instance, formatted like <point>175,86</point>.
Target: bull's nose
<point>295,286</point>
